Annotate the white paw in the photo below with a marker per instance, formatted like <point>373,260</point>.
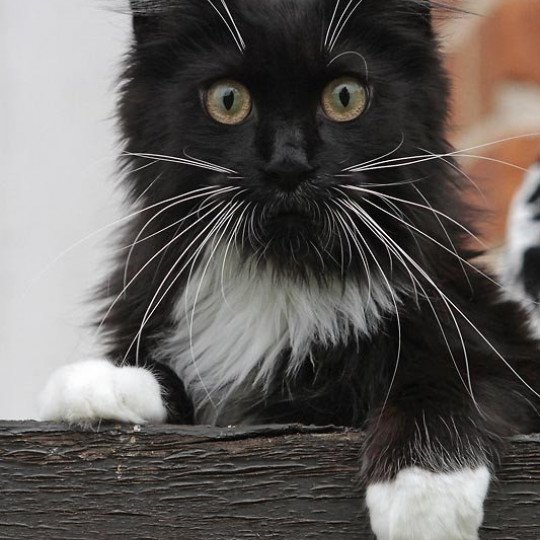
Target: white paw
<point>421,505</point>
<point>88,392</point>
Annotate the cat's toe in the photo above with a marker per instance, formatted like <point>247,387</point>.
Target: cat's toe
<point>88,392</point>
<point>422,505</point>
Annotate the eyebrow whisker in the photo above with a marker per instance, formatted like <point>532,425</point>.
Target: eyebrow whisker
<point>237,37</point>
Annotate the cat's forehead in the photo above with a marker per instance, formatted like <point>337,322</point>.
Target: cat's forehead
<point>308,26</point>
<point>272,39</point>
<point>283,32</point>
<point>262,26</point>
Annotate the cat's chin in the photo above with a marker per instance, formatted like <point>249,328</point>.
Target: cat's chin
<point>290,237</point>
<point>300,258</point>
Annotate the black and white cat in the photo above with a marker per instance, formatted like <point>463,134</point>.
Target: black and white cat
<point>298,252</point>
<point>521,261</point>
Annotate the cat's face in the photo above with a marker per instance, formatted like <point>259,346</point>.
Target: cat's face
<point>285,97</point>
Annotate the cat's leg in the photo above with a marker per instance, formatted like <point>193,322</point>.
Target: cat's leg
<point>88,392</point>
<point>428,465</point>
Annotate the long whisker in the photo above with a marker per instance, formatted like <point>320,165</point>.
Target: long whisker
<point>493,160</point>
<point>442,246</point>
<point>339,29</point>
<point>100,230</point>
<point>464,174</point>
<point>326,228</point>
<point>245,228</point>
<point>222,224</point>
<point>202,206</point>
<point>150,186</point>
<point>432,157</point>
<point>447,234</point>
<point>235,26</point>
<point>377,159</point>
<point>237,38</point>
<point>142,167</point>
<point>316,249</point>
<point>416,283</point>
<point>253,229</point>
<point>151,309</point>
<point>452,252</point>
<point>417,205</point>
<point>182,161</point>
<point>233,237</point>
<point>194,260</point>
<point>422,157</point>
<point>348,229</point>
<point>374,226</point>
<point>330,26</point>
<point>459,311</point>
<point>335,225</point>
<point>395,303</point>
<point>337,26</point>
<point>205,194</point>
<point>143,268</point>
<point>354,53</point>
<point>409,182</point>
<point>210,164</point>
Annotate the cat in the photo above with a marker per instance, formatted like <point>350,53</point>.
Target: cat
<point>299,251</point>
<point>521,261</point>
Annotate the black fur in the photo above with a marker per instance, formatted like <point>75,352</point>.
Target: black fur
<point>429,418</point>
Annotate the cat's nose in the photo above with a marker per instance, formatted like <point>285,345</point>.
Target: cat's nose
<point>289,168</point>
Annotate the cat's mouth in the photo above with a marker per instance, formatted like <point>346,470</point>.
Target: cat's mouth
<point>291,211</point>
<point>295,237</point>
<point>289,230</point>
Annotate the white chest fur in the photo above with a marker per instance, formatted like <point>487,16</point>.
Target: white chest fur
<point>233,322</point>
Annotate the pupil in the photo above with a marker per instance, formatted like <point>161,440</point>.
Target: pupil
<point>228,99</point>
<point>345,97</point>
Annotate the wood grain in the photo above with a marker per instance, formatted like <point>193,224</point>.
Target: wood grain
<point>197,483</point>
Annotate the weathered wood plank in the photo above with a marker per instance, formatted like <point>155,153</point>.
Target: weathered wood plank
<point>197,483</point>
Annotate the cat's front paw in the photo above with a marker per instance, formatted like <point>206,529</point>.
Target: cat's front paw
<point>422,505</point>
<point>88,392</point>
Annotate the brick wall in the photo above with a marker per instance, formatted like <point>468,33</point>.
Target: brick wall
<point>494,59</point>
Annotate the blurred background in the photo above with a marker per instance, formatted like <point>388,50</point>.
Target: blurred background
<point>59,61</point>
<point>493,58</point>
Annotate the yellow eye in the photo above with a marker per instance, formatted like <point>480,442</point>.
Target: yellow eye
<point>228,102</point>
<point>344,99</point>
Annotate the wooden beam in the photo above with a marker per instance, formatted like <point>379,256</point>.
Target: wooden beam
<point>198,483</point>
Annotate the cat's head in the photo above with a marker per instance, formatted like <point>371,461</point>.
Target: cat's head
<point>291,118</point>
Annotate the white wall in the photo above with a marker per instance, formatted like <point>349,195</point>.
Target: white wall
<point>58,64</point>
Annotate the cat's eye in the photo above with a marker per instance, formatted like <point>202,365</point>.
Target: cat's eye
<point>228,102</point>
<point>344,99</point>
